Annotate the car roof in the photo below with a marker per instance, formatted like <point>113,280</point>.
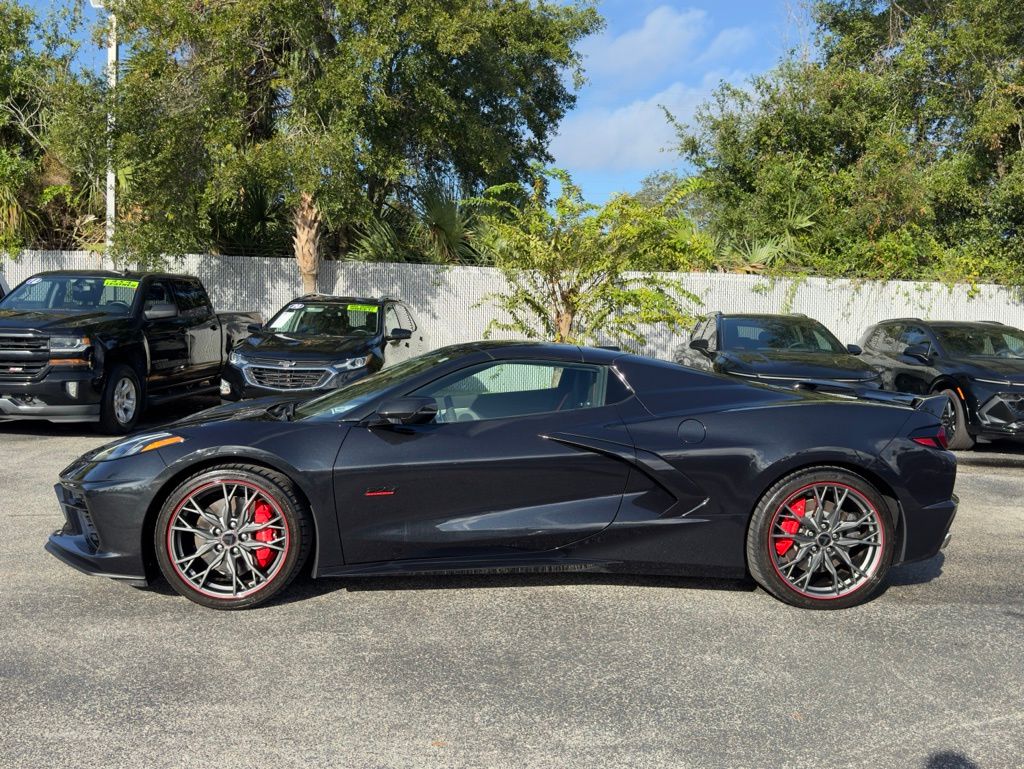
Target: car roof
<point>512,349</point>
<point>765,315</point>
<point>332,298</point>
<point>133,274</point>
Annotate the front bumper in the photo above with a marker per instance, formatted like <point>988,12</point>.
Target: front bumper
<point>61,396</point>
<point>104,506</point>
<point>1002,416</point>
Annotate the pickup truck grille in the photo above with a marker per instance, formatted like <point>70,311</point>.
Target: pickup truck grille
<point>23,358</point>
<point>288,379</point>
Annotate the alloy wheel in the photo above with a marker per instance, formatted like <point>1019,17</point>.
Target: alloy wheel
<point>949,418</point>
<point>826,540</point>
<point>228,539</point>
<point>126,399</point>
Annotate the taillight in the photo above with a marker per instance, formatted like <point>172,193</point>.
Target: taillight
<point>936,440</point>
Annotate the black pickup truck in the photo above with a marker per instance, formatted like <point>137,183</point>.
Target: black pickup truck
<point>98,346</point>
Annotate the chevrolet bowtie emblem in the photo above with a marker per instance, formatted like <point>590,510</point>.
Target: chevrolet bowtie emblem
<point>286,363</point>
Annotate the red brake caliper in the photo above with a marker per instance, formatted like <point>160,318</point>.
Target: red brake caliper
<point>263,514</point>
<point>790,526</point>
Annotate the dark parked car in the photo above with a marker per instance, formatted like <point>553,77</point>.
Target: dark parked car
<point>979,366</point>
<point>775,349</point>
<point>319,343</point>
<point>515,456</point>
<point>95,346</point>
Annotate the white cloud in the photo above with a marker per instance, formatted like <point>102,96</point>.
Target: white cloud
<point>644,53</point>
<point>728,43</point>
<point>634,136</point>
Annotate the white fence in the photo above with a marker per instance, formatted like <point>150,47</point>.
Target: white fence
<point>452,304</point>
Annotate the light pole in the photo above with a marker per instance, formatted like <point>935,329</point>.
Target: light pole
<point>112,84</point>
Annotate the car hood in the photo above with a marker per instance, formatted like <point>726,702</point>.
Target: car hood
<point>993,368</point>
<point>285,347</point>
<point>795,364</point>
<point>23,320</point>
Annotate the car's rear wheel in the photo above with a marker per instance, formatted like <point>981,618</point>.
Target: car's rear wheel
<point>232,537</point>
<point>821,538</point>
<point>954,421</point>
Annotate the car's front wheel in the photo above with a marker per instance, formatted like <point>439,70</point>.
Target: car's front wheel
<point>232,537</point>
<point>821,538</point>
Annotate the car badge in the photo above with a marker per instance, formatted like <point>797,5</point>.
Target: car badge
<point>286,363</point>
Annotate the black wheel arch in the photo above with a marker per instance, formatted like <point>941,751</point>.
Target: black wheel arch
<point>184,469</point>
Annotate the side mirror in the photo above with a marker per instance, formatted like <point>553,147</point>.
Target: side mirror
<point>409,410</point>
<point>254,328</point>
<point>161,310</point>
<point>854,349</point>
<point>922,352</point>
<point>700,345</point>
<point>398,335</point>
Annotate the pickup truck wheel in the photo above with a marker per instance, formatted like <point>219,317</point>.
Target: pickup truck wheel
<point>122,401</point>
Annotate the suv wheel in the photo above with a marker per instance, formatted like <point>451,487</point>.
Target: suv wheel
<point>954,421</point>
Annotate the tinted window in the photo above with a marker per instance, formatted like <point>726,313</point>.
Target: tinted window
<point>192,299</point>
<point>972,341</point>
<point>887,339</point>
<point>157,293</point>
<point>777,334</point>
<point>326,319</point>
<point>70,293</point>
<point>405,317</point>
<point>391,320</point>
<point>518,388</point>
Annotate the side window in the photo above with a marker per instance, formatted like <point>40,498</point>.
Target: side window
<point>886,340</point>
<point>405,317</point>
<point>519,388</point>
<point>698,330</point>
<point>158,292</point>
<point>914,335</point>
<point>192,299</point>
<point>391,320</point>
<point>711,334</point>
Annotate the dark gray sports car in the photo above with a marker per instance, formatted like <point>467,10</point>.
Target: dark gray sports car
<point>508,455</point>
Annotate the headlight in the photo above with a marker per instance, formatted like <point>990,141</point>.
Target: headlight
<point>351,364</point>
<point>235,358</point>
<point>137,445</point>
<point>69,343</point>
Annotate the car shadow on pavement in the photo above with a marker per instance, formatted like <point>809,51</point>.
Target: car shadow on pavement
<point>306,587</point>
<point>949,760</point>
<point>916,573</point>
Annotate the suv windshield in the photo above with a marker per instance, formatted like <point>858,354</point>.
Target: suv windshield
<point>778,334</point>
<point>73,293</point>
<point>326,319</point>
<point>975,342</point>
<point>344,400</point>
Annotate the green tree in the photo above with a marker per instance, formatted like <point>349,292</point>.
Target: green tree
<point>336,111</point>
<point>897,153</point>
<point>581,273</point>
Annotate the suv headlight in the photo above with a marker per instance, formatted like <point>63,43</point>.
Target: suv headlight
<point>236,358</point>
<point>351,364</point>
<point>68,344</point>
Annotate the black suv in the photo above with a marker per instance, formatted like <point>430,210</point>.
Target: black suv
<point>980,366</point>
<point>775,349</point>
<point>317,343</point>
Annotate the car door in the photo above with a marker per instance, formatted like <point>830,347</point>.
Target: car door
<point>509,466</point>
<point>912,374</point>
<point>202,328</point>
<point>166,337</point>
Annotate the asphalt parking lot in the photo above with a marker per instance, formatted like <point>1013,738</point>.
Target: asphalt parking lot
<point>511,671</point>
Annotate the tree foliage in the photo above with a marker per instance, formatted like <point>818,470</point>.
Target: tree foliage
<point>895,154</point>
<point>580,273</point>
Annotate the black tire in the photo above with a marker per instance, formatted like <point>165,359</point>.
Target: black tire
<point>112,411</point>
<point>781,505</point>
<point>294,537</point>
<point>958,437</point>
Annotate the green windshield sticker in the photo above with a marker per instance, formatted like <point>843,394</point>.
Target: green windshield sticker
<point>121,283</point>
<point>362,307</point>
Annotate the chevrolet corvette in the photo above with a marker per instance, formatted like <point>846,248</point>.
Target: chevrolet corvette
<point>516,456</point>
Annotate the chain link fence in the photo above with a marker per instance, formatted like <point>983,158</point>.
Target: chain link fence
<point>453,303</point>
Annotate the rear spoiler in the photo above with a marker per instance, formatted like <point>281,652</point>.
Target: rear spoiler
<point>931,404</point>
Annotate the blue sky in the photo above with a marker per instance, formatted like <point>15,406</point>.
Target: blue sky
<point>652,52</point>
<point>658,52</point>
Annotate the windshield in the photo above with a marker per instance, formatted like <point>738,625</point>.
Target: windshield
<point>326,319</point>
<point>71,293</point>
<point>344,400</point>
<point>974,342</point>
<point>778,334</point>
